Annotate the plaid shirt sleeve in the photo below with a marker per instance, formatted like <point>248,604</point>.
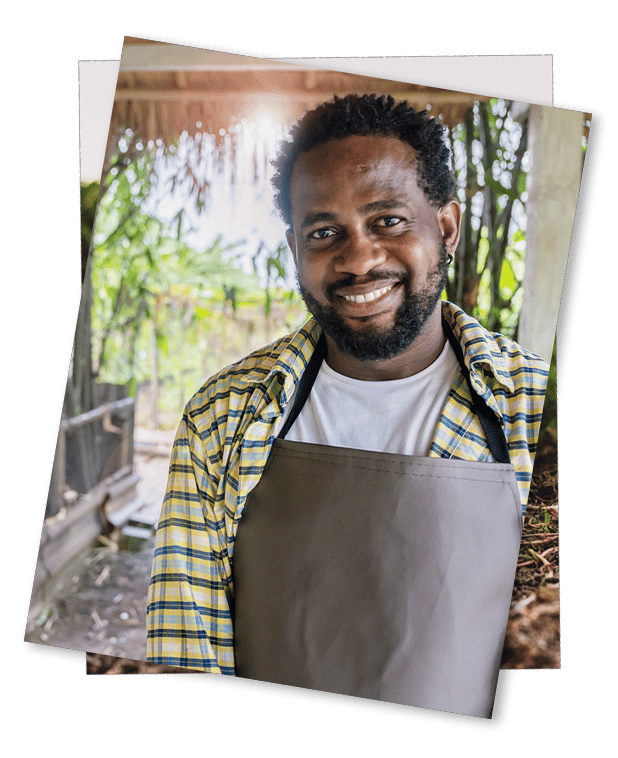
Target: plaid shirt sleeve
<point>188,615</point>
<point>219,453</point>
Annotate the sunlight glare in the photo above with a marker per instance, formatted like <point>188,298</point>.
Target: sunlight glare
<point>268,119</point>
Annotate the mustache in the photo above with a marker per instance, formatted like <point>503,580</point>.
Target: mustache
<point>371,276</point>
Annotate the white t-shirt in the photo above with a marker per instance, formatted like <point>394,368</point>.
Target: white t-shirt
<point>395,416</point>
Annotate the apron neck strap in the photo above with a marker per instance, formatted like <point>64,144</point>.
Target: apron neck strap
<point>305,384</point>
<point>492,428</point>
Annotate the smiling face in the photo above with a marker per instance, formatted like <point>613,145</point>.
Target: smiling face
<point>371,254</point>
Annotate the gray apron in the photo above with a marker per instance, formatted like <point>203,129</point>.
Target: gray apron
<point>378,575</point>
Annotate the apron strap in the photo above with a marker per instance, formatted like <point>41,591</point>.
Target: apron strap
<point>305,384</point>
<point>492,428</point>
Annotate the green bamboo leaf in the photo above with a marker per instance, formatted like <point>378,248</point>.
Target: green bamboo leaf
<point>508,280</point>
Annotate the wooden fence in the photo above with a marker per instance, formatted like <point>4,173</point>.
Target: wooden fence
<point>93,486</point>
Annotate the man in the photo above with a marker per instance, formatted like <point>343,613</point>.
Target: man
<point>374,555</point>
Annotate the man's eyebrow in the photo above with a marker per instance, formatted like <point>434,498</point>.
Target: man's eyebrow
<point>314,218</point>
<point>382,205</point>
<point>377,205</point>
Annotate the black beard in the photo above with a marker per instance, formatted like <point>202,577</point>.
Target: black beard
<point>370,343</point>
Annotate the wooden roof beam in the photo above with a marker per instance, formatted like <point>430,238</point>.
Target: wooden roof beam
<point>439,98</point>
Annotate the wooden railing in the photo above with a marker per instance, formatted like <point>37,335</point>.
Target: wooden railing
<point>91,447</point>
<point>93,478</point>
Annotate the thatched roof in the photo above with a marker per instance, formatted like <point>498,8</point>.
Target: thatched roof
<point>166,89</point>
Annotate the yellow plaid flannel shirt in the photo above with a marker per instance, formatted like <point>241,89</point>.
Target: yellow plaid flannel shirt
<point>221,448</point>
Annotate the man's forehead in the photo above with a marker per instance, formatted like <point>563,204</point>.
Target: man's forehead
<point>382,165</point>
<point>360,152</point>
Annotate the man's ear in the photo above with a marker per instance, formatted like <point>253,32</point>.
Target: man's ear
<point>291,239</point>
<point>449,218</point>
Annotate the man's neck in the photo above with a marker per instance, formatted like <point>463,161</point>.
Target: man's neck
<point>420,354</point>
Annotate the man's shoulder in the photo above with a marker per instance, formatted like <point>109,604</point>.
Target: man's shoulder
<point>528,372</point>
<point>256,369</point>
<point>495,353</point>
<point>516,353</point>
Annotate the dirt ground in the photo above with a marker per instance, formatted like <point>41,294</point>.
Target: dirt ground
<point>99,604</point>
<point>533,631</point>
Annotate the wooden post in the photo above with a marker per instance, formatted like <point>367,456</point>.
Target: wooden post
<point>55,499</point>
<point>555,144</point>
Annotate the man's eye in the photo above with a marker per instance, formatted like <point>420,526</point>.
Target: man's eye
<point>321,234</point>
<point>389,221</point>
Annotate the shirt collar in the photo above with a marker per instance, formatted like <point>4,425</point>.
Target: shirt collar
<point>289,356</point>
<point>480,349</point>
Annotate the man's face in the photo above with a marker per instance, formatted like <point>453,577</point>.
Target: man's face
<point>370,250</point>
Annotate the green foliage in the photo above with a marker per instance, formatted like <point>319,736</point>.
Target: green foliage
<point>159,304</point>
<point>275,265</point>
<point>89,195</point>
<point>490,160</point>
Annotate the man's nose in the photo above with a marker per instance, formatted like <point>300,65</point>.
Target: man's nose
<point>359,254</point>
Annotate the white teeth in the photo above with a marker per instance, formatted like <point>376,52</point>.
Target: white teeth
<point>369,296</point>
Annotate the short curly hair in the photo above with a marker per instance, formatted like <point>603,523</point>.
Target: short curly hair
<point>369,115</point>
